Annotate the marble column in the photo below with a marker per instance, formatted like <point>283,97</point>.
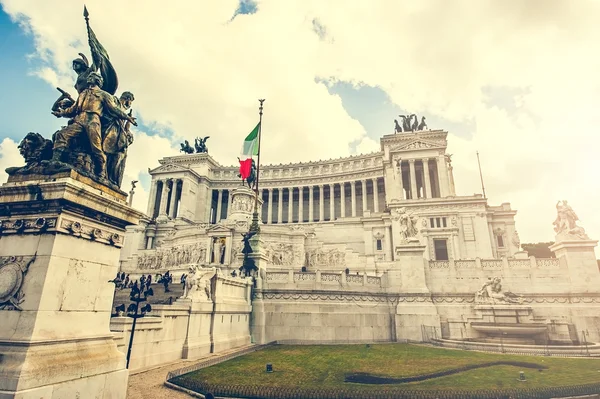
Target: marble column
<point>400,180</point>
<point>152,198</point>
<point>311,208</point>
<point>219,202</point>
<point>270,207</point>
<point>428,191</point>
<point>163,198</point>
<point>442,175</point>
<point>279,205</point>
<point>364,196</point>
<point>300,204</point>
<point>321,203</point>
<point>208,204</point>
<point>413,180</point>
<point>343,200</point>
<point>290,204</point>
<point>331,202</point>
<point>229,201</point>
<point>375,196</point>
<point>353,197</point>
<point>173,206</point>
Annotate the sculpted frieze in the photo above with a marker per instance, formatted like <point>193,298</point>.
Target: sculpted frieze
<point>325,257</point>
<point>284,254</point>
<point>165,258</point>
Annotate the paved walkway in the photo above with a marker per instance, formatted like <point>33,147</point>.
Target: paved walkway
<point>150,384</point>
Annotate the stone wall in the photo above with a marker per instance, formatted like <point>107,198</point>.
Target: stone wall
<point>189,329</point>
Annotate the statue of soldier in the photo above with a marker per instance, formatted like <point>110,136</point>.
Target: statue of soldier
<point>91,105</point>
<point>116,139</point>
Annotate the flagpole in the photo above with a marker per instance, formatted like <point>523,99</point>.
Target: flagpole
<point>255,226</point>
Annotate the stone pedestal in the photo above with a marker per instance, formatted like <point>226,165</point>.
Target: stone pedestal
<point>580,260</point>
<point>258,321</point>
<point>415,306</point>
<point>60,238</point>
<point>242,204</point>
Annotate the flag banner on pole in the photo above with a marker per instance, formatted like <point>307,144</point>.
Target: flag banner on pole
<point>249,149</point>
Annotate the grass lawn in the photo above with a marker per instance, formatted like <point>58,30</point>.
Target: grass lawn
<point>326,366</point>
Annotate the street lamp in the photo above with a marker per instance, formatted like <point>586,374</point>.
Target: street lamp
<point>135,312</point>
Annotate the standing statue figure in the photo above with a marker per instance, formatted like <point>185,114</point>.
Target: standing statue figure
<point>565,223</point>
<point>92,104</point>
<point>397,127</point>
<point>423,124</point>
<point>408,224</point>
<point>186,147</point>
<point>200,144</point>
<point>117,138</point>
<point>248,266</point>
<point>101,63</point>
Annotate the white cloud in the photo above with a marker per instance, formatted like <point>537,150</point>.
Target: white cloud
<point>196,72</point>
<point>9,156</point>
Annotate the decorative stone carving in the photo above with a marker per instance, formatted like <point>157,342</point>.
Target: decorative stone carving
<point>22,225</point>
<point>516,240</point>
<point>284,254</point>
<point>408,223</point>
<point>93,233</point>
<point>321,257</point>
<point>491,293</point>
<point>565,224</point>
<point>242,203</point>
<point>12,272</point>
<point>173,256</point>
<point>198,279</point>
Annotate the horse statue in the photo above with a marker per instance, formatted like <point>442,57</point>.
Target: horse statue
<point>186,147</point>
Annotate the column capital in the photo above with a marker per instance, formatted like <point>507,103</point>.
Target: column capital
<point>270,189</point>
<point>426,159</point>
<point>411,161</point>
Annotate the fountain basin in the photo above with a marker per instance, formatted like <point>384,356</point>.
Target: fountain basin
<point>509,329</point>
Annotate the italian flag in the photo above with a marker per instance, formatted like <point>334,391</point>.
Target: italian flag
<point>249,149</point>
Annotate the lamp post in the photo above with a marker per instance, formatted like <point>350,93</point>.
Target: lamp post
<point>135,312</point>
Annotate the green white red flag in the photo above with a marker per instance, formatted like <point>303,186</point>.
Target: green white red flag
<point>249,150</point>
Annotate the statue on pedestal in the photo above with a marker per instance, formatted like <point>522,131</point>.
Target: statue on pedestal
<point>92,104</point>
<point>95,140</point>
<point>565,224</point>
<point>248,266</point>
<point>408,224</point>
<point>251,179</point>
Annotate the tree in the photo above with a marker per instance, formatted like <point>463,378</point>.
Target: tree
<point>539,249</point>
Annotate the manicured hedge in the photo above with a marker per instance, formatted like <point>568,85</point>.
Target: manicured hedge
<point>262,392</point>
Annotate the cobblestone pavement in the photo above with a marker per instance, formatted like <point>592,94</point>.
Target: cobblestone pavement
<point>150,384</point>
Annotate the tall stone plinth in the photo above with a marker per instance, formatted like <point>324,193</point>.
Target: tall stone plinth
<point>580,260</point>
<point>242,204</point>
<point>60,239</point>
<point>415,305</point>
<point>258,319</point>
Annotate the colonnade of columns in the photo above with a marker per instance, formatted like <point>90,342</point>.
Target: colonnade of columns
<point>165,197</point>
<point>423,178</point>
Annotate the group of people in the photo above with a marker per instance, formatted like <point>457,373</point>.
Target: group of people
<point>123,281</point>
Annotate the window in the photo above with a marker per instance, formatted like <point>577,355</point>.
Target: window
<point>379,245</point>
<point>441,249</point>
<point>444,222</point>
<point>431,223</point>
<point>437,222</point>
<point>500,241</point>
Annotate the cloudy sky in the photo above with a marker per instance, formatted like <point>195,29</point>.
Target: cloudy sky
<point>518,81</point>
